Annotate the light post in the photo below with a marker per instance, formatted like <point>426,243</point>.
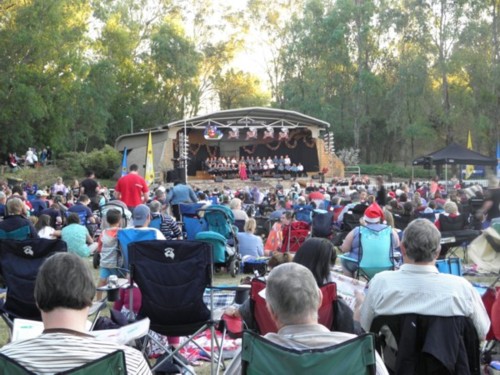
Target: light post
<point>131,123</point>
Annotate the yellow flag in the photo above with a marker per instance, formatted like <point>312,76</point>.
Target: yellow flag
<point>469,169</point>
<point>150,170</point>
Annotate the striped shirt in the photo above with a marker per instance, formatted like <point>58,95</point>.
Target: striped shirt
<point>63,350</point>
<point>418,289</point>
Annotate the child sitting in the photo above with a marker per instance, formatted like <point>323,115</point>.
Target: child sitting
<point>108,248</point>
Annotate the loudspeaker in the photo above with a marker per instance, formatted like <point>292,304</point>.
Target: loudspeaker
<point>278,176</point>
<point>218,179</point>
<point>256,177</point>
<point>287,177</point>
<point>181,174</point>
<point>427,162</point>
<point>315,176</point>
<point>172,175</point>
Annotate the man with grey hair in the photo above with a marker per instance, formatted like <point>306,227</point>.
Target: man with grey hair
<point>418,288</point>
<point>293,299</point>
<point>164,222</point>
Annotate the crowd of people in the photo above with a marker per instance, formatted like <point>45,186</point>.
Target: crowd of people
<point>32,158</point>
<point>244,167</point>
<point>87,218</point>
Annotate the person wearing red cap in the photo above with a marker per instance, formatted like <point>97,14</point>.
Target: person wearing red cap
<point>373,219</point>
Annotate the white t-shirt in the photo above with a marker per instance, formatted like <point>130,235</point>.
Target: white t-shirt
<point>47,232</point>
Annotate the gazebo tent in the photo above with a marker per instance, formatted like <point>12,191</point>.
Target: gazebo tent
<point>456,154</point>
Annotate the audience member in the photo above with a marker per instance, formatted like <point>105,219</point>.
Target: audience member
<point>235,206</point>
<point>418,288</point>
<point>45,230</point>
<point>164,222</point>
<point>64,291</point>
<point>77,237</point>
<point>16,225</point>
<point>250,245</point>
<point>132,189</point>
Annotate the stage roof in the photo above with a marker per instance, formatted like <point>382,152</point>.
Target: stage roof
<point>258,117</point>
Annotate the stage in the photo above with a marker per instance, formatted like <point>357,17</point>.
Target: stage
<point>225,139</point>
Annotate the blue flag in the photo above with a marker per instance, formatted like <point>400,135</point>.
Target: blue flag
<point>124,162</point>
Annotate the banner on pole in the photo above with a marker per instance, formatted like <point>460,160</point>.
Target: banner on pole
<point>124,162</point>
<point>469,169</point>
<point>150,172</point>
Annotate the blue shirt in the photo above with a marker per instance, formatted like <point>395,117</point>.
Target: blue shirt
<point>250,244</point>
<point>181,193</point>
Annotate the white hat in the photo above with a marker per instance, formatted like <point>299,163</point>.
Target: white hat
<point>41,193</point>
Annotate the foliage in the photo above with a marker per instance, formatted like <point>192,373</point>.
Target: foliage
<point>394,170</point>
<point>239,89</point>
<point>104,162</point>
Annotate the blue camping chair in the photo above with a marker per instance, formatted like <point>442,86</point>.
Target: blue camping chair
<point>191,221</point>
<point>19,265</point>
<point>375,252</point>
<point>19,234</point>
<point>129,235</point>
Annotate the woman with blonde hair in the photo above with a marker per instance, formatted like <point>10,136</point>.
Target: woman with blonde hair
<point>250,245</point>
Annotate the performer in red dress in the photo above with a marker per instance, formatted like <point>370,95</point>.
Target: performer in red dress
<point>243,171</point>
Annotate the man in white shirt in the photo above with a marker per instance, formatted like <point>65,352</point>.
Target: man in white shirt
<point>418,288</point>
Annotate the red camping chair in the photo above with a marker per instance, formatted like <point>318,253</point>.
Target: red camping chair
<point>263,319</point>
<point>294,236</point>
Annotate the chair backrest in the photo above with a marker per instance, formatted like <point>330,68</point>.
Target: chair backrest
<point>352,357</point>
<point>130,235</point>
<point>350,221</point>
<point>19,265</point>
<point>427,215</point>
<point>375,251</point>
<point>19,234</point>
<point>189,209</point>
<point>112,363</point>
<point>428,344</point>
<point>401,221</point>
<point>263,319</point>
<point>322,224</point>
<point>172,277</point>
<point>294,235</point>
<point>218,243</point>
<point>448,223</point>
<point>303,213</point>
<point>240,224</point>
<point>193,225</point>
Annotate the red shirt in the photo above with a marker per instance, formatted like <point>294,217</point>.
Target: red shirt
<point>132,187</point>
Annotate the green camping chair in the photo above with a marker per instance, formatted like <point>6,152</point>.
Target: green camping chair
<point>352,357</point>
<point>110,364</point>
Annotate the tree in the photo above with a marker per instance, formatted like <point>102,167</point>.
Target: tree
<point>239,89</point>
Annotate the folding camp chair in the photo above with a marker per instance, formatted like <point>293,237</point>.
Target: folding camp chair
<point>19,265</point>
<point>352,357</point>
<point>172,277</point>
<point>129,235</point>
<point>426,344</point>
<point>192,223</point>
<point>110,364</point>
<point>263,319</point>
<point>375,252</point>
<point>294,235</point>
<point>322,224</point>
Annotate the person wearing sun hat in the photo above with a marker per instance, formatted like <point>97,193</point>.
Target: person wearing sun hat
<point>373,218</point>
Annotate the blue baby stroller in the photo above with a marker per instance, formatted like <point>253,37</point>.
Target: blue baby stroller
<point>222,235</point>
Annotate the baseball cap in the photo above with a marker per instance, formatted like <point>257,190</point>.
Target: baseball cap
<point>41,193</point>
<point>140,215</point>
